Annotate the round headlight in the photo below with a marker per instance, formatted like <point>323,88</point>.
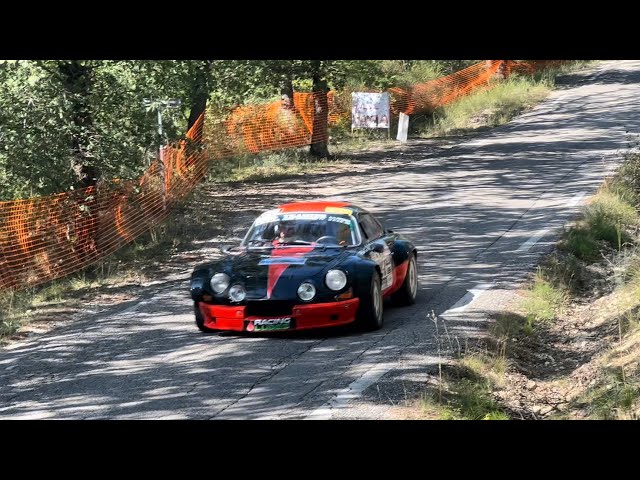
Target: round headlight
<point>306,291</point>
<point>220,282</point>
<point>237,293</point>
<point>335,279</point>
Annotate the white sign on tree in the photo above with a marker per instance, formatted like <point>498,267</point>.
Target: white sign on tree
<point>370,110</point>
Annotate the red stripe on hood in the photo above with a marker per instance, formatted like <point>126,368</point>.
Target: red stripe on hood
<point>276,271</point>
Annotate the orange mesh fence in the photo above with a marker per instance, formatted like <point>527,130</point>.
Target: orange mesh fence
<point>278,125</point>
<point>528,67</point>
<point>426,97</point>
<point>275,125</point>
<point>49,237</point>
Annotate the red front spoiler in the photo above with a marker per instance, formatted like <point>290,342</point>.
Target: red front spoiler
<point>315,315</point>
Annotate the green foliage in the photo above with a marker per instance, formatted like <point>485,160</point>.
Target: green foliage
<point>563,272</point>
<point>40,133</point>
<point>496,415</point>
<point>580,242</point>
<point>33,135</point>
<point>543,300</point>
<point>38,108</point>
<point>397,73</point>
<point>606,219</point>
<point>465,389</point>
<point>608,215</point>
<point>469,401</point>
<point>612,397</point>
<point>485,366</point>
<point>403,73</point>
<point>251,81</point>
<point>508,326</point>
<point>628,176</point>
<point>14,310</point>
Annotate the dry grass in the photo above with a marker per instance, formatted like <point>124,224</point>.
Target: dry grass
<point>467,392</point>
<point>486,108</point>
<point>268,166</point>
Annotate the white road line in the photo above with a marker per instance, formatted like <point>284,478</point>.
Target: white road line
<point>468,298</point>
<point>576,200</point>
<point>134,308</point>
<point>353,391</point>
<point>526,246</point>
<point>268,417</point>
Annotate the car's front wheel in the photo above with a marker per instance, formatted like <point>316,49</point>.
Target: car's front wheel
<point>200,320</point>
<point>370,311</point>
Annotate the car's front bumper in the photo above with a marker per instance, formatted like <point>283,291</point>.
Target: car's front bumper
<point>314,315</point>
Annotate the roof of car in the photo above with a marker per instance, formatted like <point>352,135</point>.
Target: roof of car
<point>318,206</point>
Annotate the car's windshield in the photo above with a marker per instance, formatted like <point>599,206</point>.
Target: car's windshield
<point>275,229</point>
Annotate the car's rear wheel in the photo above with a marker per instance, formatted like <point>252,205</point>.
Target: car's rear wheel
<point>370,311</point>
<point>200,320</point>
<point>406,295</point>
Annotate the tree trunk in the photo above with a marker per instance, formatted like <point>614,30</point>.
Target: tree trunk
<point>320,125</point>
<point>77,84</point>
<point>200,93</point>
<point>76,81</point>
<point>286,93</point>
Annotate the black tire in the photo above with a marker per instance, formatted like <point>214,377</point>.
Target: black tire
<point>371,309</point>
<point>406,295</point>
<point>200,320</point>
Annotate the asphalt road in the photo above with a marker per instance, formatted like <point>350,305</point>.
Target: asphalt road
<point>481,213</point>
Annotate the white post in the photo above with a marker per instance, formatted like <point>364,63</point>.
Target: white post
<point>163,176</point>
<point>403,127</point>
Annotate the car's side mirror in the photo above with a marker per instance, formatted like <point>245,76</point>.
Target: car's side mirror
<point>231,250</point>
<point>377,247</point>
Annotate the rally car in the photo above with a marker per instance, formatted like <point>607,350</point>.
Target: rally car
<point>306,265</point>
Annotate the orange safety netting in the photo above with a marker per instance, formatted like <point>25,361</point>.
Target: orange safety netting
<point>49,237</point>
<point>528,67</point>
<point>426,97</point>
<point>275,125</point>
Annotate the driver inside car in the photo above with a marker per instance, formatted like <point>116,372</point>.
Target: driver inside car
<point>344,235</point>
<point>284,234</point>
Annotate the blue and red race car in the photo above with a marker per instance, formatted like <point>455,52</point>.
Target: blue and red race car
<point>306,265</point>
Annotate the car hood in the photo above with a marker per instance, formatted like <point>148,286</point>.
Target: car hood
<point>278,272</point>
